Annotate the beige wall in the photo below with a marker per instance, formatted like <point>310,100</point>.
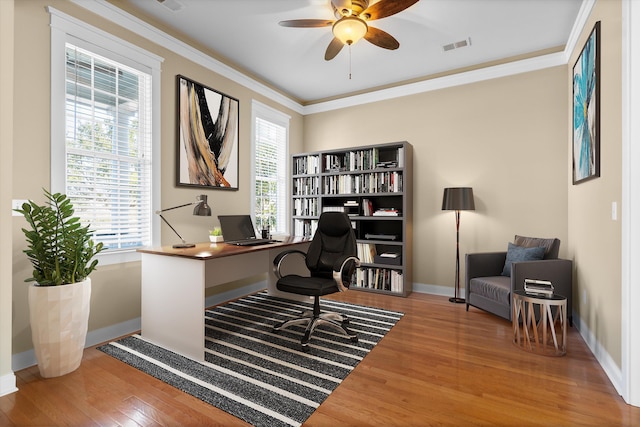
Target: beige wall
<point>508,138</point>
<point>7,380</point>
<point>594,238</point>
<point>116,288</point>
<point>505,137</point>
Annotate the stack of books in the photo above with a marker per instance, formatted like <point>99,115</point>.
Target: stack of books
<point>386,212</point>
<point>538,287</point>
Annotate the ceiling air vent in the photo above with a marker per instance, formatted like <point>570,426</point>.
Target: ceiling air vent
<point>457,45</point>
<point>173,5</point>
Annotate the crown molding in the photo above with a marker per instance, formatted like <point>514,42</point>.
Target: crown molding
<point>124,19</point>
<point>155,35</point>
<point>578,26</point>
<point>482,74</point>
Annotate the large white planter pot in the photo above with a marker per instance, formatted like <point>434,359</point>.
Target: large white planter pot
<point>59,320</point>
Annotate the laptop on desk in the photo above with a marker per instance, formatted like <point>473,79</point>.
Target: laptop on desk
<point>238,230</point>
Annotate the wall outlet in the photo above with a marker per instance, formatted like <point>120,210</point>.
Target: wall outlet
<point>17,204</point>
<point>614,211</point>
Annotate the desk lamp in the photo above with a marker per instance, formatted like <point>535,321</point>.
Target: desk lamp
<point>201,209</point>
<point>458,199</point>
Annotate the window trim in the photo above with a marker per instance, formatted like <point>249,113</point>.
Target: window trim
<point>66,29</point>
<point>258,109</point>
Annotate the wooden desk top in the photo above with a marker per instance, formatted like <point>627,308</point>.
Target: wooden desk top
<point>208,250</point>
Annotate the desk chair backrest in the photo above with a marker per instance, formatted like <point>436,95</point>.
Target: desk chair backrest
<point>334,238</point>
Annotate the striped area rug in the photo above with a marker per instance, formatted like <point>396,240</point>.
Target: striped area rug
<point>257,375</point>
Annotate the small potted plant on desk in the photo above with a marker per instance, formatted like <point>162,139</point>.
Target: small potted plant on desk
<point>61,252</point>
<point>215,235</point>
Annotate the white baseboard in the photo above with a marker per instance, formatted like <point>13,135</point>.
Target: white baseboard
<point>8,384</point>
<point>28,358</point>
<point>613,372</point>
<point>445,291</point>
<point>602,356</point>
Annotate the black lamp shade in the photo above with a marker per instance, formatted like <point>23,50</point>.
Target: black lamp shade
<point>458,199</point>
<point>202,208</point>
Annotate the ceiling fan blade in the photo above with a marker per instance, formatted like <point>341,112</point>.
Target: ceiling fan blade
<point>341,5</point>
<point>385,8</point>
<point>381,38</point>
<point>333,49</point>
<point>306,23</point>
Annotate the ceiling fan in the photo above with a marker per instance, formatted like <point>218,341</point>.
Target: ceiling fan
<point>351,23</point>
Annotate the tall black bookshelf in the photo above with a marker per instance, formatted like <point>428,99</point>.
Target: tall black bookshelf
<point>373,185</point>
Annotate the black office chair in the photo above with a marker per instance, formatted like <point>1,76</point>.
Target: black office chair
<point>331,261</point>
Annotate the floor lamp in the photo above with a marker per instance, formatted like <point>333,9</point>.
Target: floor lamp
<point>458,199</point>
<point>201,209</point>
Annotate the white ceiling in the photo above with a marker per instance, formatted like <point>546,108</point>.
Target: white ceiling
<point>246,33</point>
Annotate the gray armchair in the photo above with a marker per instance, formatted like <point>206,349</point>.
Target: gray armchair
<point>487,289</point>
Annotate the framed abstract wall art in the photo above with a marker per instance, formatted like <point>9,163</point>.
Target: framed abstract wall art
<point>207,137</point>
<point>586,110</point>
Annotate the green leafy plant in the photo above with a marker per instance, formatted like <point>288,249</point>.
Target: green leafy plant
<point>217,231</point>
<point>59,247</point>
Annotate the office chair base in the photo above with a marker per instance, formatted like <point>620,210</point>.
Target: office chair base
<point>335,320</point>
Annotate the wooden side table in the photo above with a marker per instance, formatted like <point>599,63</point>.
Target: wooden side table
<point>546,335</point>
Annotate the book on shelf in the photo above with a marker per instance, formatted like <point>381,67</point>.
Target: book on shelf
<point>306,165</point>
<point>390,255</point>
<point>372,182</point>
<point>333,209</point>
<point>367,207</point>
<point>386,212</point>
<point>305,227</point>
<point>366,252</point>
<point>352,207</point>
<point>306,186</point>
<point>390,258</point>
<point>305,207</point>
<point>388,164</point>
<point>379,278</point>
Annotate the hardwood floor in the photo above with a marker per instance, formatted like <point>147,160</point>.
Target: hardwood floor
<point>440,365</point>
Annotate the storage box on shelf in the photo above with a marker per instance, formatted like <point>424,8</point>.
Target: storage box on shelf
<point>373,185</point>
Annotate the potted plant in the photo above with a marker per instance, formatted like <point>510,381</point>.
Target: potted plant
<point>61,252</point>
<point>215,235</point>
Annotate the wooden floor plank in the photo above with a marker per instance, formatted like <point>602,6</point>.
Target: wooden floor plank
<point>440,365</point>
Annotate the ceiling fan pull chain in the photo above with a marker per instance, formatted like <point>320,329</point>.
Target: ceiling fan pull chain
<point>349,62</point>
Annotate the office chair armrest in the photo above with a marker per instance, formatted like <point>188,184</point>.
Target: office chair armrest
<point>277,261</point>
<point>343,269</point>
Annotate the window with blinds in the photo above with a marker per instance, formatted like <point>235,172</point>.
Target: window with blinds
<point>270,170</point>
<point>108,147</point>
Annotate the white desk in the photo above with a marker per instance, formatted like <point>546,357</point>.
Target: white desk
<point>174,282</point>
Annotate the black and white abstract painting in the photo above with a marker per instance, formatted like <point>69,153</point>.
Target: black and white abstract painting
<point>208,137</point>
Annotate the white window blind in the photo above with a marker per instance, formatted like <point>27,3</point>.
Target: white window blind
<point>270,170</point>
<point>108,147</point>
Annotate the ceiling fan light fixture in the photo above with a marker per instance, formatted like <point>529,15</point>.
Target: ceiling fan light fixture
<point>349,29</point>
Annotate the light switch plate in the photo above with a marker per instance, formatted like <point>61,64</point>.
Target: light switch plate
<point>614,211</point>
<point>17,204</point>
